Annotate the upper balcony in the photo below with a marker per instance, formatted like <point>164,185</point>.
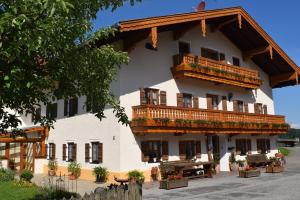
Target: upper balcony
<point>191,66</point>
<point>170,119</point>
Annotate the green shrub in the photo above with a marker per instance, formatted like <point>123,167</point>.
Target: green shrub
<point>136,175</point>
<point>6,175</point>
<point>52,193</point>
<point>101,172</point>
<point>284,151</point>
<point>26,175</point>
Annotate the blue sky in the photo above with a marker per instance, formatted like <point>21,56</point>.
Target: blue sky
<point>278,18</point>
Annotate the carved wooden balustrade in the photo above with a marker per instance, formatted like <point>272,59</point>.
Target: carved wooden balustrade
<point>190,66</point>
<point>163,119</point>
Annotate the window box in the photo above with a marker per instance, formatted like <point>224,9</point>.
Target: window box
<point>274,169</point>
<point>249,173</point>
<point>174,183</point>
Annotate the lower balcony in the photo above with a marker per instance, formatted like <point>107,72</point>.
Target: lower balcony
<point>168,119</point>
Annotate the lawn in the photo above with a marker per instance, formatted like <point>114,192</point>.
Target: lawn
<point>9,191</point>
<point>284,151</point>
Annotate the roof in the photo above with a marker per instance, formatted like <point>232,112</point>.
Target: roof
<point>245,34</point>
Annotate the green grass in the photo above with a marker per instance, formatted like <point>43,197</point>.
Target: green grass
<point>9,191</point>
<point>284,151</point>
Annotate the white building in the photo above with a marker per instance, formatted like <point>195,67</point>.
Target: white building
<point>198,84</point>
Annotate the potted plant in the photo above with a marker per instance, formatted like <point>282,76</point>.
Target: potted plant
<point>26,175</point>
<point>249,172</point>
<point>101,174</point>
<point>216,158</point>
<point>241,164</point>
<point>136,176</point>
<point>52,167</point>
<point>74,170</point>
<point>173,181</point>
<point>232,163</point>
<point>275,166</point>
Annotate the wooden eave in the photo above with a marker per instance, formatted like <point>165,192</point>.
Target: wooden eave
<point>246,34</point>
<point>42,131</point>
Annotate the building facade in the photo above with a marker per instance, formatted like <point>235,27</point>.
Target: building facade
<point>198,86</point>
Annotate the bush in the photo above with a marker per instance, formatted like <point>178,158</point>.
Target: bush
<point>6,175</point>
<point>52,165</point>
<point>52,193</point>
<point>284,151</point>
<point>136,175</point>
<point>26,175</point>
<point>101,172</point>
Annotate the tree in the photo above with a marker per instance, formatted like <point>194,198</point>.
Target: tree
<point>48,52</point>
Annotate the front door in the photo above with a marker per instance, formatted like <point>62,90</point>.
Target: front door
<point>27,157</point>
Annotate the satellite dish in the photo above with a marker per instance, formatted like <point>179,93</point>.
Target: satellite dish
<point>201,6</point>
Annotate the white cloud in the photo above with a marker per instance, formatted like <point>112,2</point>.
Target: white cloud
<point>295,125</point>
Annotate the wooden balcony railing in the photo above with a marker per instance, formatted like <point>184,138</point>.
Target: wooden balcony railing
<point>225,119</point>
<point>216,71</point>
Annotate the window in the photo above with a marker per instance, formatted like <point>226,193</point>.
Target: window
<point>222,57</point>
<point>243,146</point>
<point>212,54</point>
<point>51,111</point>
<point>151,96</point>
<point>52,151</point>
<point>38,152</point>
<point>258,108</point>
<point>212,102</point>
<point>184,48</point>
<point>154,151</point>
<point>263,146</point>
<point>36,114</point>
<point>72,148</point>
<point>2,150</point>
<point>235,61</point>
<point>71,107</point>
<point>240,106</point>
<point>189,150</point>
<point>187,100</point>
<point>215,102</point>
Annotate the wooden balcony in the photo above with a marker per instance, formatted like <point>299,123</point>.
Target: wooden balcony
<point>190,66</point>
<point>168,119</point>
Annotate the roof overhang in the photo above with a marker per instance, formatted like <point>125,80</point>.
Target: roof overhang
<point>235,23</point>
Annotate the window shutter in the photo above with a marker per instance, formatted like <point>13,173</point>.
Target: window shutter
<point>249,148</point>
<point>64,152</point>
<point>46,151</point>
<point>246,107</point>
<point>235,106</point>
<point>74,152</point>
<point>142,97</point>
<point>238,146</point>
<point>179,100</point>
<point>66,105</point>
<point>224,103</point>
<point>100,152</point>
<point>195,102</point>
<point>182,148</point>
<point>87,152</point>
<point>165,150</point>
<point>209,102</point>
<point>198,149</point>
<point>259,145</point>
<point>145,151</point>
<point>163,98</point>
<point>265,109</point>
<point>53,151</point>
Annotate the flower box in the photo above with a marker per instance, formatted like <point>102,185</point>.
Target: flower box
<point>274,169</point>
<point>249,174</point>
<point>168,184</point>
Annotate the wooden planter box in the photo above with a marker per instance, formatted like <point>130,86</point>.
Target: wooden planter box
<point>172,184</point>
<point>249,174</point>
<point>274,169</point>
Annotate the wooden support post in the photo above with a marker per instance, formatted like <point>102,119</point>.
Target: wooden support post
<point>153,35</point>
<point>249,54</point>
<point>43,150</point>
<point>203,27</point>
<point>7,154</point>
<point>297,81</point>
<point>271,52</point>
<point>240,20</point>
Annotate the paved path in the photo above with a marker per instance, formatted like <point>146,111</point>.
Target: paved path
<point>283,186</point>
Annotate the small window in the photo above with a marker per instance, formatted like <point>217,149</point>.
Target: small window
<point>235,61</point>
<point>95,152</point>
<point>215,102</point>
<point>258,108</point>
<point>184,48</point>
<point>243,146</point>
<point>240,106</point>
<point>51,151</point>
<point>51,111</point>
<point>210,54</point>
<point>222,57</point>
<point>187,100</point>
<point>71,107</point>
<point>71,152</point>
<point>151,96</point>
<point>263,146</point>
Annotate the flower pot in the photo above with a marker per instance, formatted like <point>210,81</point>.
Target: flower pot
<point>51,172</point>
<point>72,177</point>
<point>172,184</point>
<point>249,174</point>
<point>100,179</point>
<point>274,169</point>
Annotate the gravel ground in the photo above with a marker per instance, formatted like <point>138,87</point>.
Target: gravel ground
<point>226,186</point>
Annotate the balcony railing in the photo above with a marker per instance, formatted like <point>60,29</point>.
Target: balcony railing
<point>169,118</point>
<point>206,69</point>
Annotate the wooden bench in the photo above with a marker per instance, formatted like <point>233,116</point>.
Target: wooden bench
<point>186,168</point>
<point>257,160</point>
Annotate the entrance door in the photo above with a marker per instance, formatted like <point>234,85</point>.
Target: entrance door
<point>27,156</point>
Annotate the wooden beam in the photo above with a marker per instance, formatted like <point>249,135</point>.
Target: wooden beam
<point>221,25</point>
<point>275,80</point>
<point>203,27</point>
<point>7,154</point>
<point>249,54</point>
<point>153,36</point>
<point>240,20</point>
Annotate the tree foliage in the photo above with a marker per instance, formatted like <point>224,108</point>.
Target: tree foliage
<point>47,52</point>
